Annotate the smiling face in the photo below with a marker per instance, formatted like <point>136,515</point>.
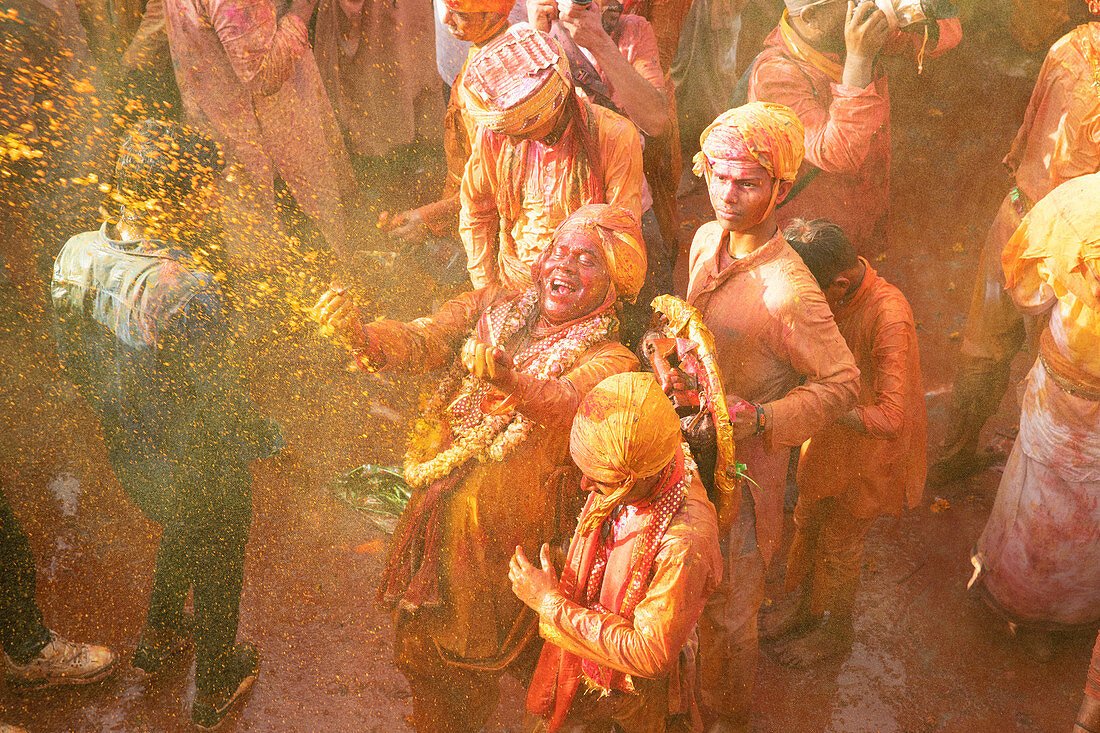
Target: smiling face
<point>574,280</point>
<point>740,192</point>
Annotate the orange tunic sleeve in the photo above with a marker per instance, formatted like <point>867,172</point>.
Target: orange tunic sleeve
<point>553,402</point>
<point>479,220</point>
<point>432,342</point>
<point>621,157</point>
<point>649,646</point>
<point>890,354</point>
<point>813,346</point>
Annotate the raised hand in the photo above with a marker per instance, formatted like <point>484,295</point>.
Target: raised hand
<point>531,584</point>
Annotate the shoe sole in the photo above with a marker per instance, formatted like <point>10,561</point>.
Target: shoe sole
<point>242,689</point>
<point>18,684</point>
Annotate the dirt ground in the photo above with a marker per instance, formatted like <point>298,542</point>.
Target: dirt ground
<point>926,657</point>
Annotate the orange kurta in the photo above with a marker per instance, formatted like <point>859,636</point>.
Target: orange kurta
<point>1038,557</point>
<point>499,504</point>
<point>685,571</point>
<point>1060,136</point>
<point>776,343</point>
<point>889,472</point>
<point>515,192</point>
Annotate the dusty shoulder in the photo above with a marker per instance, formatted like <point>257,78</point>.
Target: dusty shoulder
<point>893,306</point>
<point>800,288</point>
<point>614,126</point>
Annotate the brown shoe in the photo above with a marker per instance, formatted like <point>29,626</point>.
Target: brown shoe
<point>60,662</point>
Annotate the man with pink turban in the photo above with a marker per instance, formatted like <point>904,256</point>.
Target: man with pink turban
<point>540,153</point>
<point>488,460</point>
<point>785,366</point>
<point>643,561</point>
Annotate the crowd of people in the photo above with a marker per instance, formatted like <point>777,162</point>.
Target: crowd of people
<point>598,478</point>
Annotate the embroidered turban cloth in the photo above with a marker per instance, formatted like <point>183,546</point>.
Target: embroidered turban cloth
<point>767,134</point>
<point>517,82</point>
<point>625,429</point>
<point>500,7</point>
<point>616,231</point>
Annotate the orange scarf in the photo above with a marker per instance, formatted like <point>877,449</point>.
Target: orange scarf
<point>559,673</point>
<point>803,51</point>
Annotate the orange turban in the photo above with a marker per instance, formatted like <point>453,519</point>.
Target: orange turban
<point>500,7</point>
<point>767,134</point>
<point>618,235</point>
<point>1062,232</point>
<point>625,429</point>
<point>517,82</point>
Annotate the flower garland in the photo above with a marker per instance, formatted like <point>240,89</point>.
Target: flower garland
<point>459,396</point>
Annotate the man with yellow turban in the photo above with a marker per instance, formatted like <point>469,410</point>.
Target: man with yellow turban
<point>785,365</point>
<point>539,154</point>
<point>1037,561</point>
<point>488,460</point>
<point>642,562</point>
<point>476,22</point>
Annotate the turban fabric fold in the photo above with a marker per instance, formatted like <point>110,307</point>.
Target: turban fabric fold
<point>1063,231</point>
<point>616,232</point>
<point>767,134</point>
<point>625,429</point>
<point>517,82</point>
<point>500,7</point>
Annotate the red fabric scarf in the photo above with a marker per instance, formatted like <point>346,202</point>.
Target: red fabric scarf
<point>559,673</point>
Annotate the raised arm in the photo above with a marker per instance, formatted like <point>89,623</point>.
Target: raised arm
<point>840,120</point>
<point>637,85</point>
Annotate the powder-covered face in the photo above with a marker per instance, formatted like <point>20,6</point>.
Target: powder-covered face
<point>470,27</point>
<point>574,280</point>
<point>740,192</point>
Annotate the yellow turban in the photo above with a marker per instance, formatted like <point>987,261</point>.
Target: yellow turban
<point>517,82</point>
<point>1062,232</point>
<point>618,235</point>
<point>625,429</point>
<point>770,135</point>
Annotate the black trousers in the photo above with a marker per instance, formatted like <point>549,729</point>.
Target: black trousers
<point>203,502</point>
<point>21,630</point>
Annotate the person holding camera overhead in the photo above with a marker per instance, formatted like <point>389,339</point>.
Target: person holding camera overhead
<point>615,62</point>
<point>822,62</point>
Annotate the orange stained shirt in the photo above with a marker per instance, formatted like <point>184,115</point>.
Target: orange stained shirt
<point>686,570</point>
<point>515,192</point>
<point>877,324</point>
<point>777,344</point>
<point>1060,136</point>
<point>521,500</point>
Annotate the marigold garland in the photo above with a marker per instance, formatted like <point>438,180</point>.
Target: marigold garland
<point>459,395</point>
